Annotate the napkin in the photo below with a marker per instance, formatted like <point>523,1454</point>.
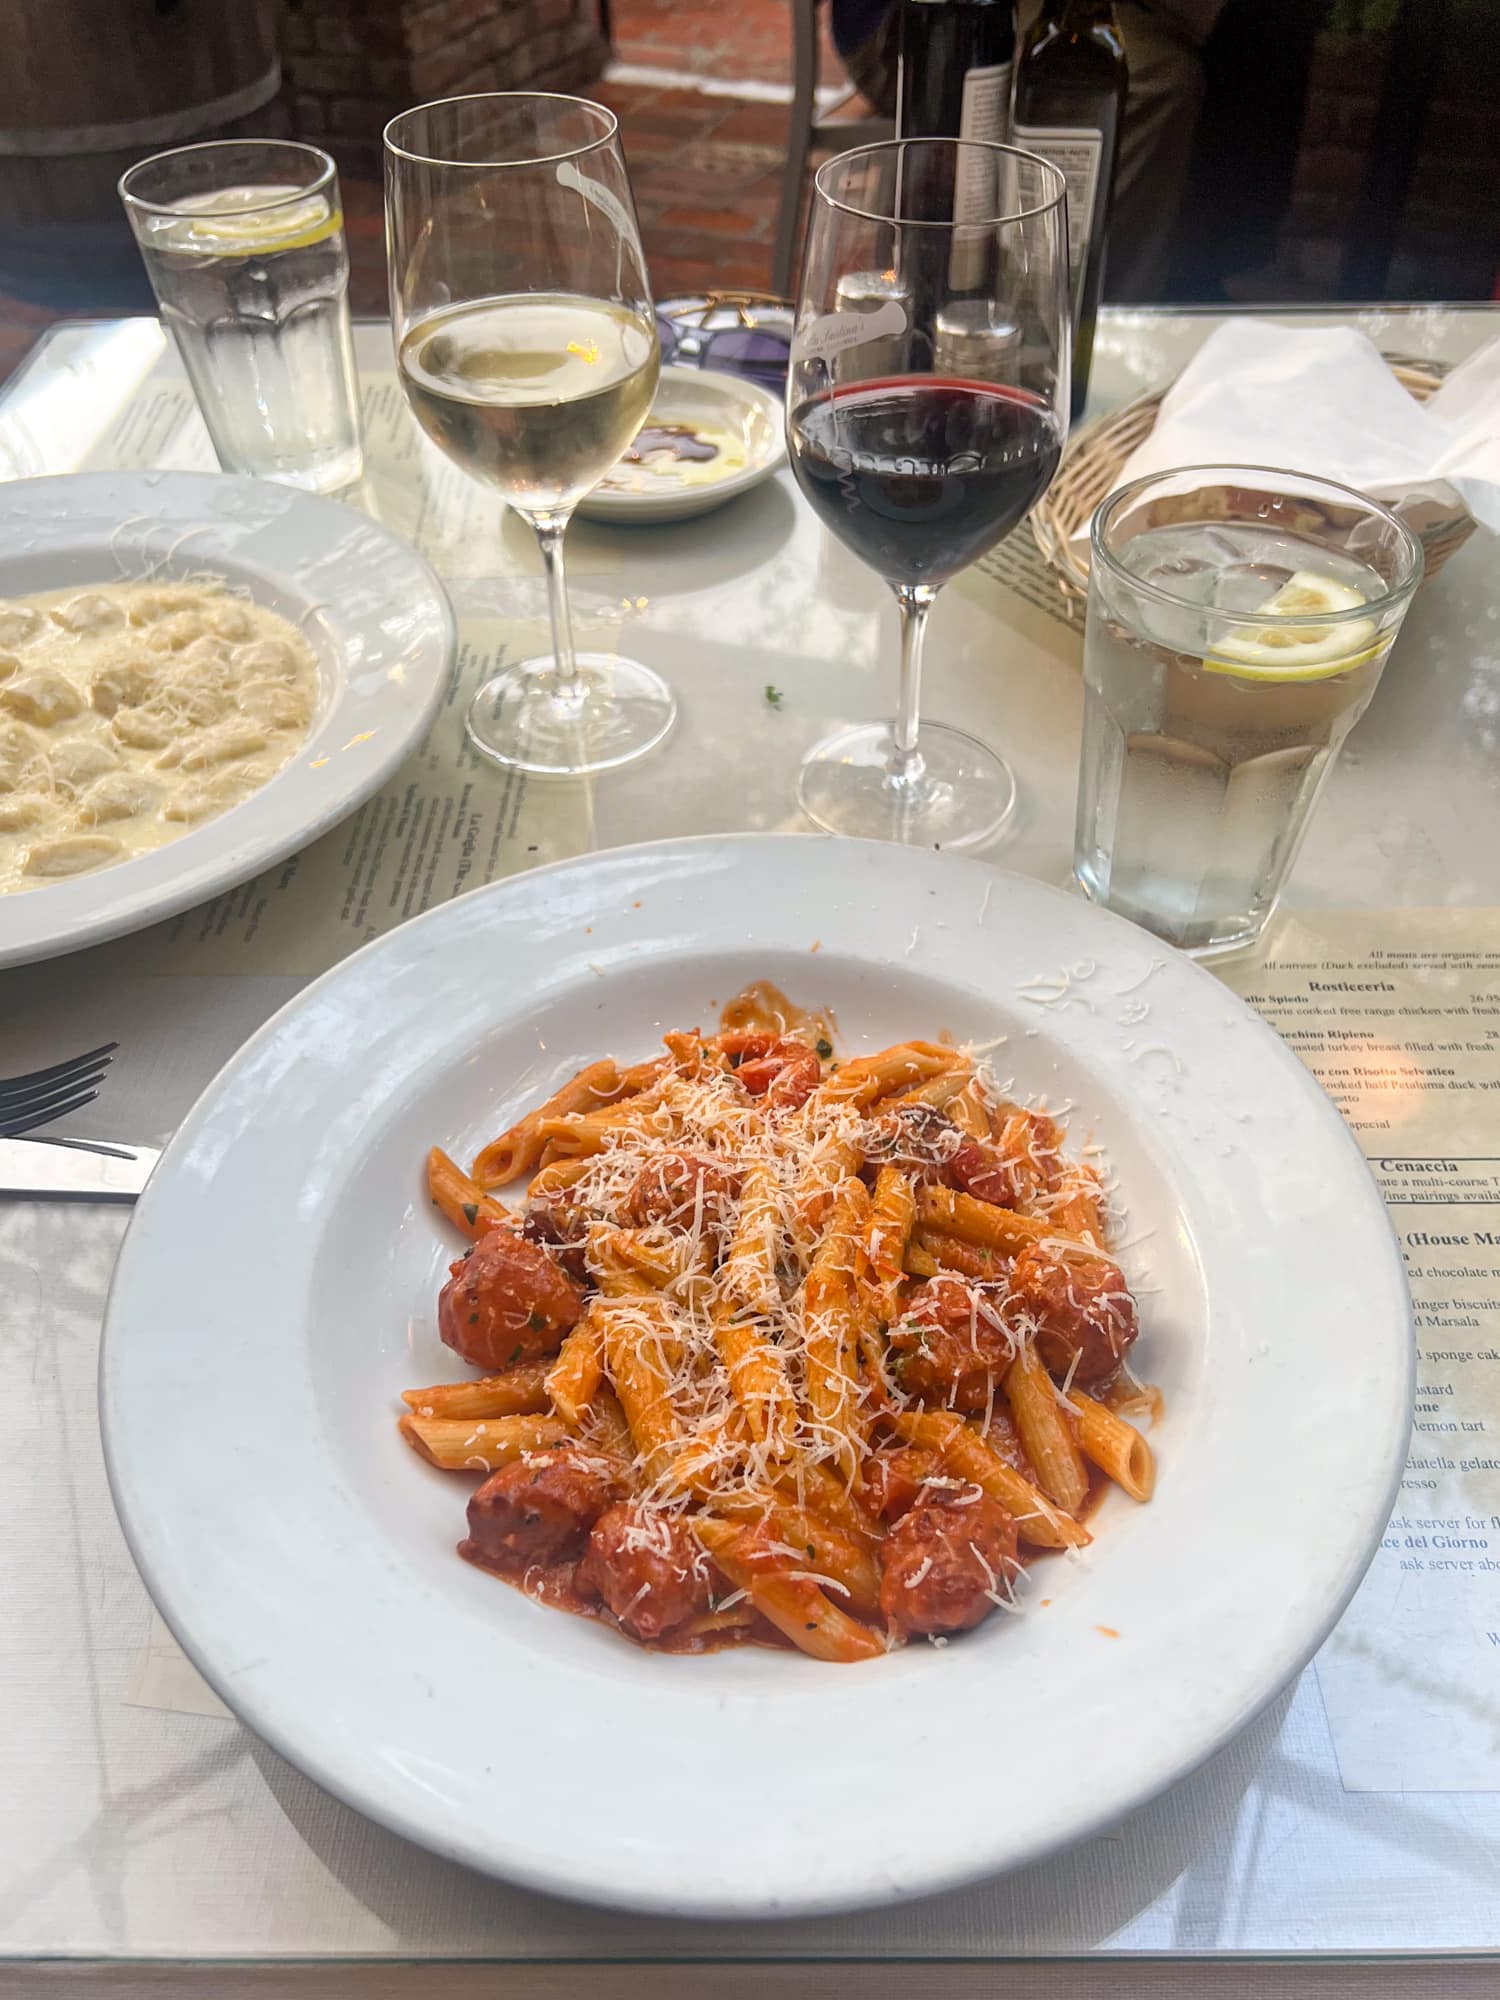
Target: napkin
<point>1321,400</point>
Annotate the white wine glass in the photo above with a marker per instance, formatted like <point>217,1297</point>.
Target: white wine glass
<point>526,345</point>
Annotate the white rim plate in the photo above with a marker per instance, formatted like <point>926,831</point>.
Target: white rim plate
<point>305,1558</point>
<point>374,613</point>
<point>704,396</point>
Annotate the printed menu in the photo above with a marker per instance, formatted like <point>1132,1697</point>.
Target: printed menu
<point>1397,1013</point>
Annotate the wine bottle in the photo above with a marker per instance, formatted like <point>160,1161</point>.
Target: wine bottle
<point>957,60</point>
<point>1069,107</point>
<point>955,69</point>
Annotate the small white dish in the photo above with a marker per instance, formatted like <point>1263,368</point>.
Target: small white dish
<point>743,421</point>
<point>306,1560</point>
<point>374,613</point>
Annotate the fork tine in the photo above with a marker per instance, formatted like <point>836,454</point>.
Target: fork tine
<point>17,1128</point>
<point>24,1085</point>
<point>31,1104</point>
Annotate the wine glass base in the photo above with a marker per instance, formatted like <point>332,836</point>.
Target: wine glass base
<point>964,795</point>
<point>621,711</point>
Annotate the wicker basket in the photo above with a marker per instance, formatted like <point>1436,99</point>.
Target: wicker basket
<point>1091,470</point>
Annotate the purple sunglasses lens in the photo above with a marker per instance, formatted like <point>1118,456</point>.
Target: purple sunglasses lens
<point>748,351</point>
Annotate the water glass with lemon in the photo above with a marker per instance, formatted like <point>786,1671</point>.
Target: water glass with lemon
<point>243,240</point>
<point>1238,622</point>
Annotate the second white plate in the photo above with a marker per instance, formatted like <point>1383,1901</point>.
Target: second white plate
<point>374,613</point>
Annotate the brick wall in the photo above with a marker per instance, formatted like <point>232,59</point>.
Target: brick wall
<point>353,64</point>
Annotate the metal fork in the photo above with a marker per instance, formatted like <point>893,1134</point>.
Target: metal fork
<point>41,1095</point>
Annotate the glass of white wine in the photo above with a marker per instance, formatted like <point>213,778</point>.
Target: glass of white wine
<point>526,345</point>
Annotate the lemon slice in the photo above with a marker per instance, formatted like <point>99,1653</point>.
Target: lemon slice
<point>235,223</point>
<point>1303,652</point>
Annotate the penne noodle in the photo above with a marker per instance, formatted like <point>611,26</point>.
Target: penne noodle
<point>641,1370</point>
<point>793,1604</point>
<point>946,1253</point>
<point>831,1331</point>
<point>820,1489</point>
<point>518,1150</point>
<point>556,1179</point>
<point>1117,1448</point>
<point>575,1374</point>
<point>465,1204</point>
<point>1080,1214</point>
<point>749,1273</point>
<point>827,1549</point>
<point>518,1392</point>
<point>967,1455</point>
<point>831,1165</point>
<point>606,1429</point>
<point>1045,1436</point>
<point>757,1379</point>
<point>464,1444</point>
<point>864,1079</point>
<point>938,1091</point>
<point>893,1210</point>
<point>969,1111</point>
<point>979,1222</point>
<point>579,1135</point>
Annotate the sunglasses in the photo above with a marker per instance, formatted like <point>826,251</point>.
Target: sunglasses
<point>742,333</point>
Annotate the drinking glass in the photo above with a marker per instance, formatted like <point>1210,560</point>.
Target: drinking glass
<point>927,406</point>
<point>526,346</point>
<point>243,240</point>
<point>1239,618</point>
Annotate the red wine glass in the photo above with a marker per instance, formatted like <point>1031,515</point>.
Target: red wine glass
<point>927,405</point>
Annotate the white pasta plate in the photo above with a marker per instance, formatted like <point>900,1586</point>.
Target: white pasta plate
<point>305,1559</point>
<point>374,614</point>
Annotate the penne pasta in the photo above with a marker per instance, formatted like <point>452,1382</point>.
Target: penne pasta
<point>573,1379</point>
<point>968,1456</point>
<point>749,1277</point>
<point>1044,1433</point>
<point>641,1370</point>
<point>1117,1448</point>
<point>757,1379</point>
<point>941,1252</point>
<point>466,1444</point>
<point>518,1392</point>
<point>777,1375</point>
<point>893,1211</point>
<point>465,1204</point>
<point>979,1222</point>
<point>795,1605</point>
<point>867,1078</point>
<point>518,1150</point>
<point>831,1330</point>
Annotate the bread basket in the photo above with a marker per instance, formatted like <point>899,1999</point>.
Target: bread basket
<point>1094,459</point>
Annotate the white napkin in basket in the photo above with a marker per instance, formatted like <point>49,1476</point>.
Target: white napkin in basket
<point>1321,400</point>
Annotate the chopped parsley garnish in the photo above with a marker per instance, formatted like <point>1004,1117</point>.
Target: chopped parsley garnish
<point>773,696</point>
<point>516,1352</point>
<point>535,1321</point>
<point>471,1212</point>
<point>823,1047</point>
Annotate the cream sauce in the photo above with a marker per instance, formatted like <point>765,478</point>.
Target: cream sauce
<point>130,713</point>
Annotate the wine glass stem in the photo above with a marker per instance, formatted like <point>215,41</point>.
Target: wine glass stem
<point>906,769</point>
<point>568,684</point>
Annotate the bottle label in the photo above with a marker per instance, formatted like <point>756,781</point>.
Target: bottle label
<point>1077,150</point>
<point>984,114</point>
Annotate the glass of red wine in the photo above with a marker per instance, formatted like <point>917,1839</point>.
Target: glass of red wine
<point>927,405</point>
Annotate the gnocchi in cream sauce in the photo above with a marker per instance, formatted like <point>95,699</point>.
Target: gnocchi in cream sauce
<point>131,712</point>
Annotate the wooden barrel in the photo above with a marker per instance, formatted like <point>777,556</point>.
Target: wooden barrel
<point>87,88</point>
